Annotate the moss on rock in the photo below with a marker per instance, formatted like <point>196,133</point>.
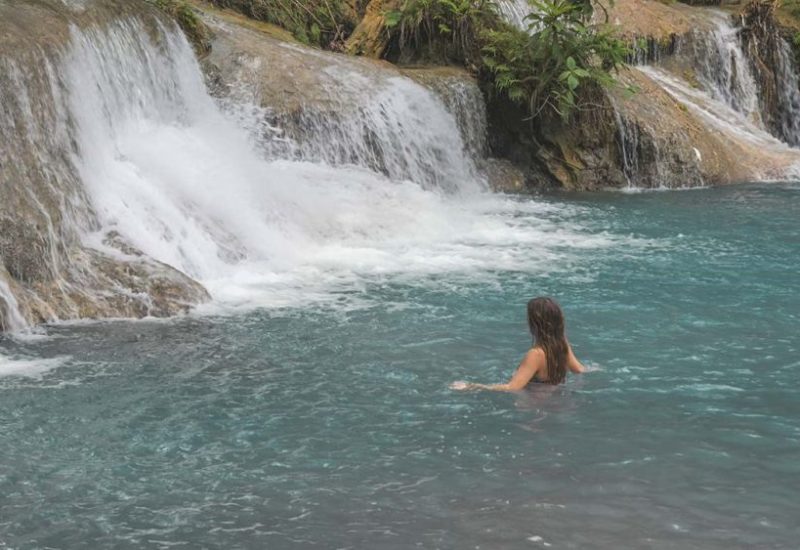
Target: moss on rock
<point>187,19</point>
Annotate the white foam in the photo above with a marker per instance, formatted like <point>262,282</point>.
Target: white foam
<point>182,182</point>
<point>28,368</point>
<point>633,190</point>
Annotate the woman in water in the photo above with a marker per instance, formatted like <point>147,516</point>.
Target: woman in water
<point>550,357</point>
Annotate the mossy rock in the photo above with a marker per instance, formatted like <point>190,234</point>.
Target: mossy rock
<point>189,21</point>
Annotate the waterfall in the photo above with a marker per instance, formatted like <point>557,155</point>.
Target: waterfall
<point>356,112</point>
<point>628,138</point>
<point>722,67</point>
<point>787,84</point>
<point>464,100</point>
<point>714,112</point>
<point>10,318</point>
<point>400,130</point>
<point>181,181</point>
<point>515,12</point>
<point>724,71</point>
<point>711,73</point>
<point>260,207</point>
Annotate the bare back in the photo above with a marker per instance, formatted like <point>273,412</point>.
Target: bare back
<point>538,364</point>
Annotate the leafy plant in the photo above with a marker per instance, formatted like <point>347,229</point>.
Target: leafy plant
<point>325,23</point>
<point>561,54</point>
<point>446,30</point>
<point>547,67</point>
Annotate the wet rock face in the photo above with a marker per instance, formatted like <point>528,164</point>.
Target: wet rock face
<point>662,144</point>
<point>648,139</point>
<point>24,246</point>
<point>97,285</point>
<point>46,272</point>
<point>772,61</point>
<point>580,153</point>
<point>700,116</point>
<point>504,176</point>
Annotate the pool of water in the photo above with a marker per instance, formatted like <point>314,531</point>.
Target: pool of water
<point>331,425</point>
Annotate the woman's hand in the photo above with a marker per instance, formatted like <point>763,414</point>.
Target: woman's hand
<point>460,385</point>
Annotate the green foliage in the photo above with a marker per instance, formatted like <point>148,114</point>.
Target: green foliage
<point>442,30</point>
<point>792,7</point>
<point>323,23</point>
<point>562,54</point>
<point>547,68</point>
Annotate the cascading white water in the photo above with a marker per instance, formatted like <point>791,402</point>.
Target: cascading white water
<point>361,114</point>
<point>715,112</point>
<point>516,12</point>
<point>10,318</point>
<point>725,73</point>
<point>722,68</point>
<point>464,100</point>
<point>628,135</point>
<point>788,87</point>
<point>168,171</point>
<point>403,131</point>
<point>181,180</point>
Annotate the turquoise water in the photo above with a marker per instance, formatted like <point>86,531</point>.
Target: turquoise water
<point>333,426</point>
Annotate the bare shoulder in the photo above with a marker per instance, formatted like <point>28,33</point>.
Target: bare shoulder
<point>535,356</point>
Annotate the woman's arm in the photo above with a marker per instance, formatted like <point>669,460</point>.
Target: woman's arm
<point>525,372</point>
<point>572,362</point>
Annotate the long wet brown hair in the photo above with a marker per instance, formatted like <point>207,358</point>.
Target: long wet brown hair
<point>546,322</point>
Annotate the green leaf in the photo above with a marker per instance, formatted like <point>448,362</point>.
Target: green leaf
<point>392,18</point>
<point>571,63</point>
<point>516,94</point>
<point>572,82</point>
